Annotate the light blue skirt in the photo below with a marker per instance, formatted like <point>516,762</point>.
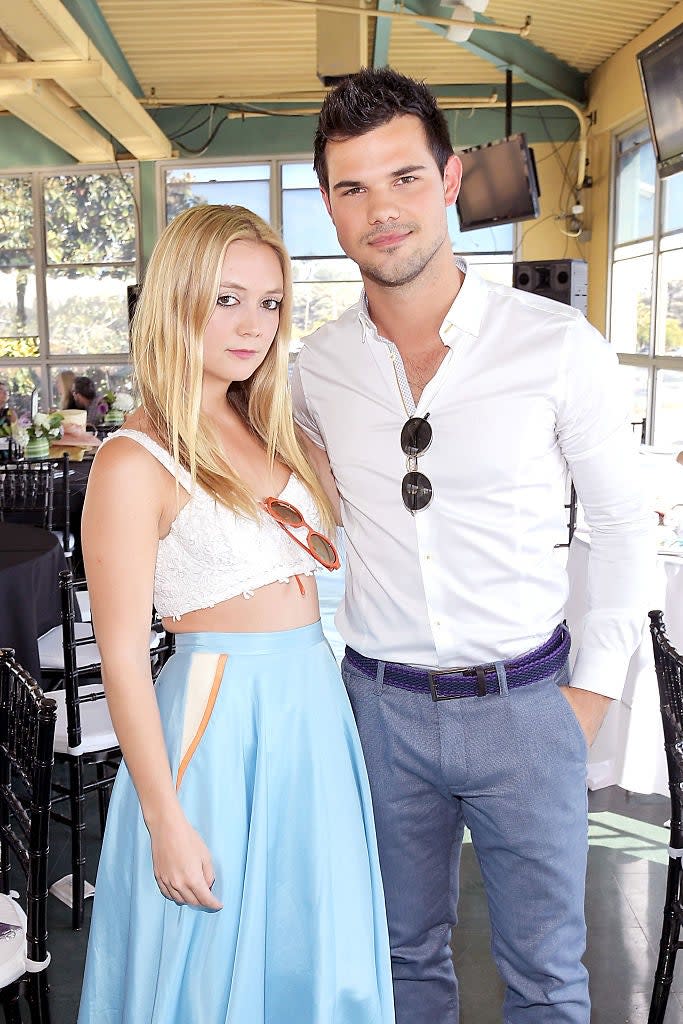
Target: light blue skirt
<point>265,753</point>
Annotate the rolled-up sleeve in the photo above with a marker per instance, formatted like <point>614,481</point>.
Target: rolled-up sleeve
<point>598,444</point>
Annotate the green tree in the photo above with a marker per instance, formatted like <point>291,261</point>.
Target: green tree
<point>643,312</point>
<point>90,227</point>
<point>16,249</point>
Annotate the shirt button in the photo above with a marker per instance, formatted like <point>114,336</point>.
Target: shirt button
<point>438,622</point>
<point>427,557</point>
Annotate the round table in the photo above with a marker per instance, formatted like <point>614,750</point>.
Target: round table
<point>629,749</point>
<point>30,562</point>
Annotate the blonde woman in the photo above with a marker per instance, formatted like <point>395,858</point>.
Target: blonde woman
<point>65,387</point>
<point>238,881</point>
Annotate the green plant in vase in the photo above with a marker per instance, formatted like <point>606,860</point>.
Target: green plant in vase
<point>118,405</point>
<point>43,428</point>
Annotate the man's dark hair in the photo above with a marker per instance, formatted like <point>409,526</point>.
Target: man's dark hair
<point>84,387</point>
<point>371,98</point>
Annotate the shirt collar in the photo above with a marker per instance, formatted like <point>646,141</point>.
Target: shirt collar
<point>465,313</point>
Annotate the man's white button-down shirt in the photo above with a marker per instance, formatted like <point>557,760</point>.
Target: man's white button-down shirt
<point>527,388</point>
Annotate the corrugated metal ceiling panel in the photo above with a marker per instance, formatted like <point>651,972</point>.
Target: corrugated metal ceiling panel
<point>583,33</point>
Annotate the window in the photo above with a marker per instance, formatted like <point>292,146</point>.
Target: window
<point>646,302</point>
<point>238,184</point>
<point>286,193</point>
<point>68,251</point>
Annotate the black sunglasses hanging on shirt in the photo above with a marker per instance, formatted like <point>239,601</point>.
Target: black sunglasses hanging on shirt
<point>416,488</point>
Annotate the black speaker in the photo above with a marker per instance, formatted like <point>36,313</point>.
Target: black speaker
<point>563,280</point>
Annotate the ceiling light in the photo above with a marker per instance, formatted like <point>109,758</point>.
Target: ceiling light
<point>460,33</point>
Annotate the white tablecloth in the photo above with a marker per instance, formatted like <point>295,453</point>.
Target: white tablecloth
<point>629,749</point>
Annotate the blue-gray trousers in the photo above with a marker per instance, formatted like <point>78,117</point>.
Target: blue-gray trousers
<point>512,767</point>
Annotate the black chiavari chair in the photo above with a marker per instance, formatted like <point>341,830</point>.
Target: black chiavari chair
<point>27,727</point>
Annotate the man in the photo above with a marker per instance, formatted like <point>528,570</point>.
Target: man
<point>450,409</point>
<point>7,415</point>
<point>85,397</point>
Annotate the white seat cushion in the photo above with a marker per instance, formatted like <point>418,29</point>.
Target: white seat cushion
<point>97,732</point>
<point>83,598</point>
<point>51,650</point>
<point>12,941</point>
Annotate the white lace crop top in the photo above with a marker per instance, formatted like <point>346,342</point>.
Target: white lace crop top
<point>212,554</point>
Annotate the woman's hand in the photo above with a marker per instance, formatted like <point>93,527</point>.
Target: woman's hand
<point>182,864</point>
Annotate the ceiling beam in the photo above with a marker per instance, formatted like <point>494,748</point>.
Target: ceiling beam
<point>37,69</point>
<point>380,53</point>
<point>90,18</point>
<point>37,105</point>
<point>528,62</point>
<point>46,31</point>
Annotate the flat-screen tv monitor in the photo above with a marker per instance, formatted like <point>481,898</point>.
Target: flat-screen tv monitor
<point>499,184</point>
<point>661,73</point>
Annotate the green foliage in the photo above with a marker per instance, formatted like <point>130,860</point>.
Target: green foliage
<point>674,320</point>
<point>674,335</point>
<point>89,325</point>
<point>180,195</point>
<point>643,325</point>
<point>16,222</point>
<point>90,218</point>
<point>19,347</point>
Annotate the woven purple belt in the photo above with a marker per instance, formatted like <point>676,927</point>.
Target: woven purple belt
<point>477,681</point>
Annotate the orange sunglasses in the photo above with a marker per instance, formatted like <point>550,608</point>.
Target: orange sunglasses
<point>290,518</point>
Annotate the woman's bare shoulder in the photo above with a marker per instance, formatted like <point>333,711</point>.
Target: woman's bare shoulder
<point>123,461</point>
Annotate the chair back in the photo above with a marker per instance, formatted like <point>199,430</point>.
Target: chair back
<point>159,655</point>
<point>27,493</point>
<point>70,643</point>
<point>571,506</point>
<point>669,669</point>
<point>62,512</point>
<point>27,729</point>
<point>639,427</point>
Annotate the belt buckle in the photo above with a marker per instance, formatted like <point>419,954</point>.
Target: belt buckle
<point>472,670</point>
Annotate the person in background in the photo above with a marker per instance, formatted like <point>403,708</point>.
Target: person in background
<point>65,384</point>
<point>450,409</point>
<point>7,414</point>
<point>239,880</point>
<point>85,397</point>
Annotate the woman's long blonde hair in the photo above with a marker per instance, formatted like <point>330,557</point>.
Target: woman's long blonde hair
<point>177,299</point>
<point>66,382</point>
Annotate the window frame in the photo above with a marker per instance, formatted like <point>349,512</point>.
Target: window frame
<point>652,361</point>
<point>46,361</point>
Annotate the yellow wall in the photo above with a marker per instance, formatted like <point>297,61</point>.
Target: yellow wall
<point>543,239</point>
<point>616,98</point>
